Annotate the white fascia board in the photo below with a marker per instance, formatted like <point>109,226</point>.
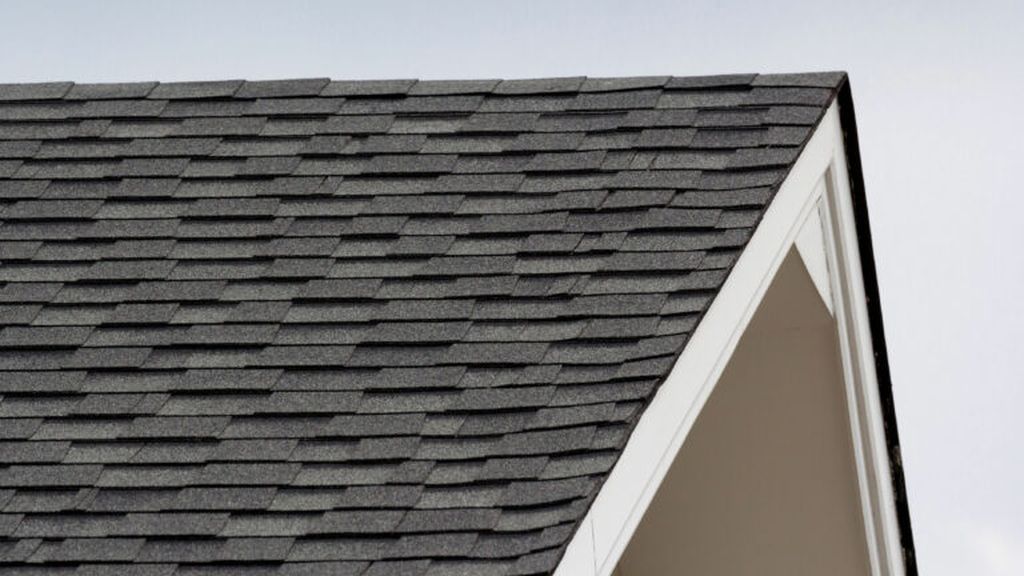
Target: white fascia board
<point>858,357</point>
<point>620,505</point>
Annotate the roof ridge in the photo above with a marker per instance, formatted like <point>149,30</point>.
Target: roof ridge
<point>323,86</point>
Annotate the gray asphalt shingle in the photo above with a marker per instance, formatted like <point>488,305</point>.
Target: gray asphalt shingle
<point>354,327</point>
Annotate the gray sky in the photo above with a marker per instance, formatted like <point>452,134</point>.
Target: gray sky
<point>938,87</point>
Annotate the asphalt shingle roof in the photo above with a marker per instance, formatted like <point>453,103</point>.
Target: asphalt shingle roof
<point>354,327</point>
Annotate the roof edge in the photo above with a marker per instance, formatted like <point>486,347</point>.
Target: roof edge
<point>386,87</point>
<point>848,123</point>
<point>842,100</point>
<point>702,360</point>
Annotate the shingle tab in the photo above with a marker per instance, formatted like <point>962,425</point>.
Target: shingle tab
<point>813,79</point>
<point>368,88</point>
<point>715,81</point>
<point>539,85</point>
<point>281,88</point>
<point>110,91</point>
<point>34,91</point>
<point>190,90</point>
<point>354,327</point>
<point>451,87</point>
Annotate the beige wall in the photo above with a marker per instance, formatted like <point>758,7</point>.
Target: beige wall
<point>765,483</point>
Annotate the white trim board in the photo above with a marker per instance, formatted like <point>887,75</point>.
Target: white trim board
<point>814,194</point>
<point>810,243</point>
<point>857,350</point>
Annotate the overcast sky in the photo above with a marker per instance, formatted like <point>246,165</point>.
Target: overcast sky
<point>939,91</point>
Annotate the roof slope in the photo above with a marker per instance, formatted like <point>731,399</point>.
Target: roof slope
<point>369,327</point>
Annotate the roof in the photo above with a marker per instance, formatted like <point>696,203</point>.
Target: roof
<point>355,327</point>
